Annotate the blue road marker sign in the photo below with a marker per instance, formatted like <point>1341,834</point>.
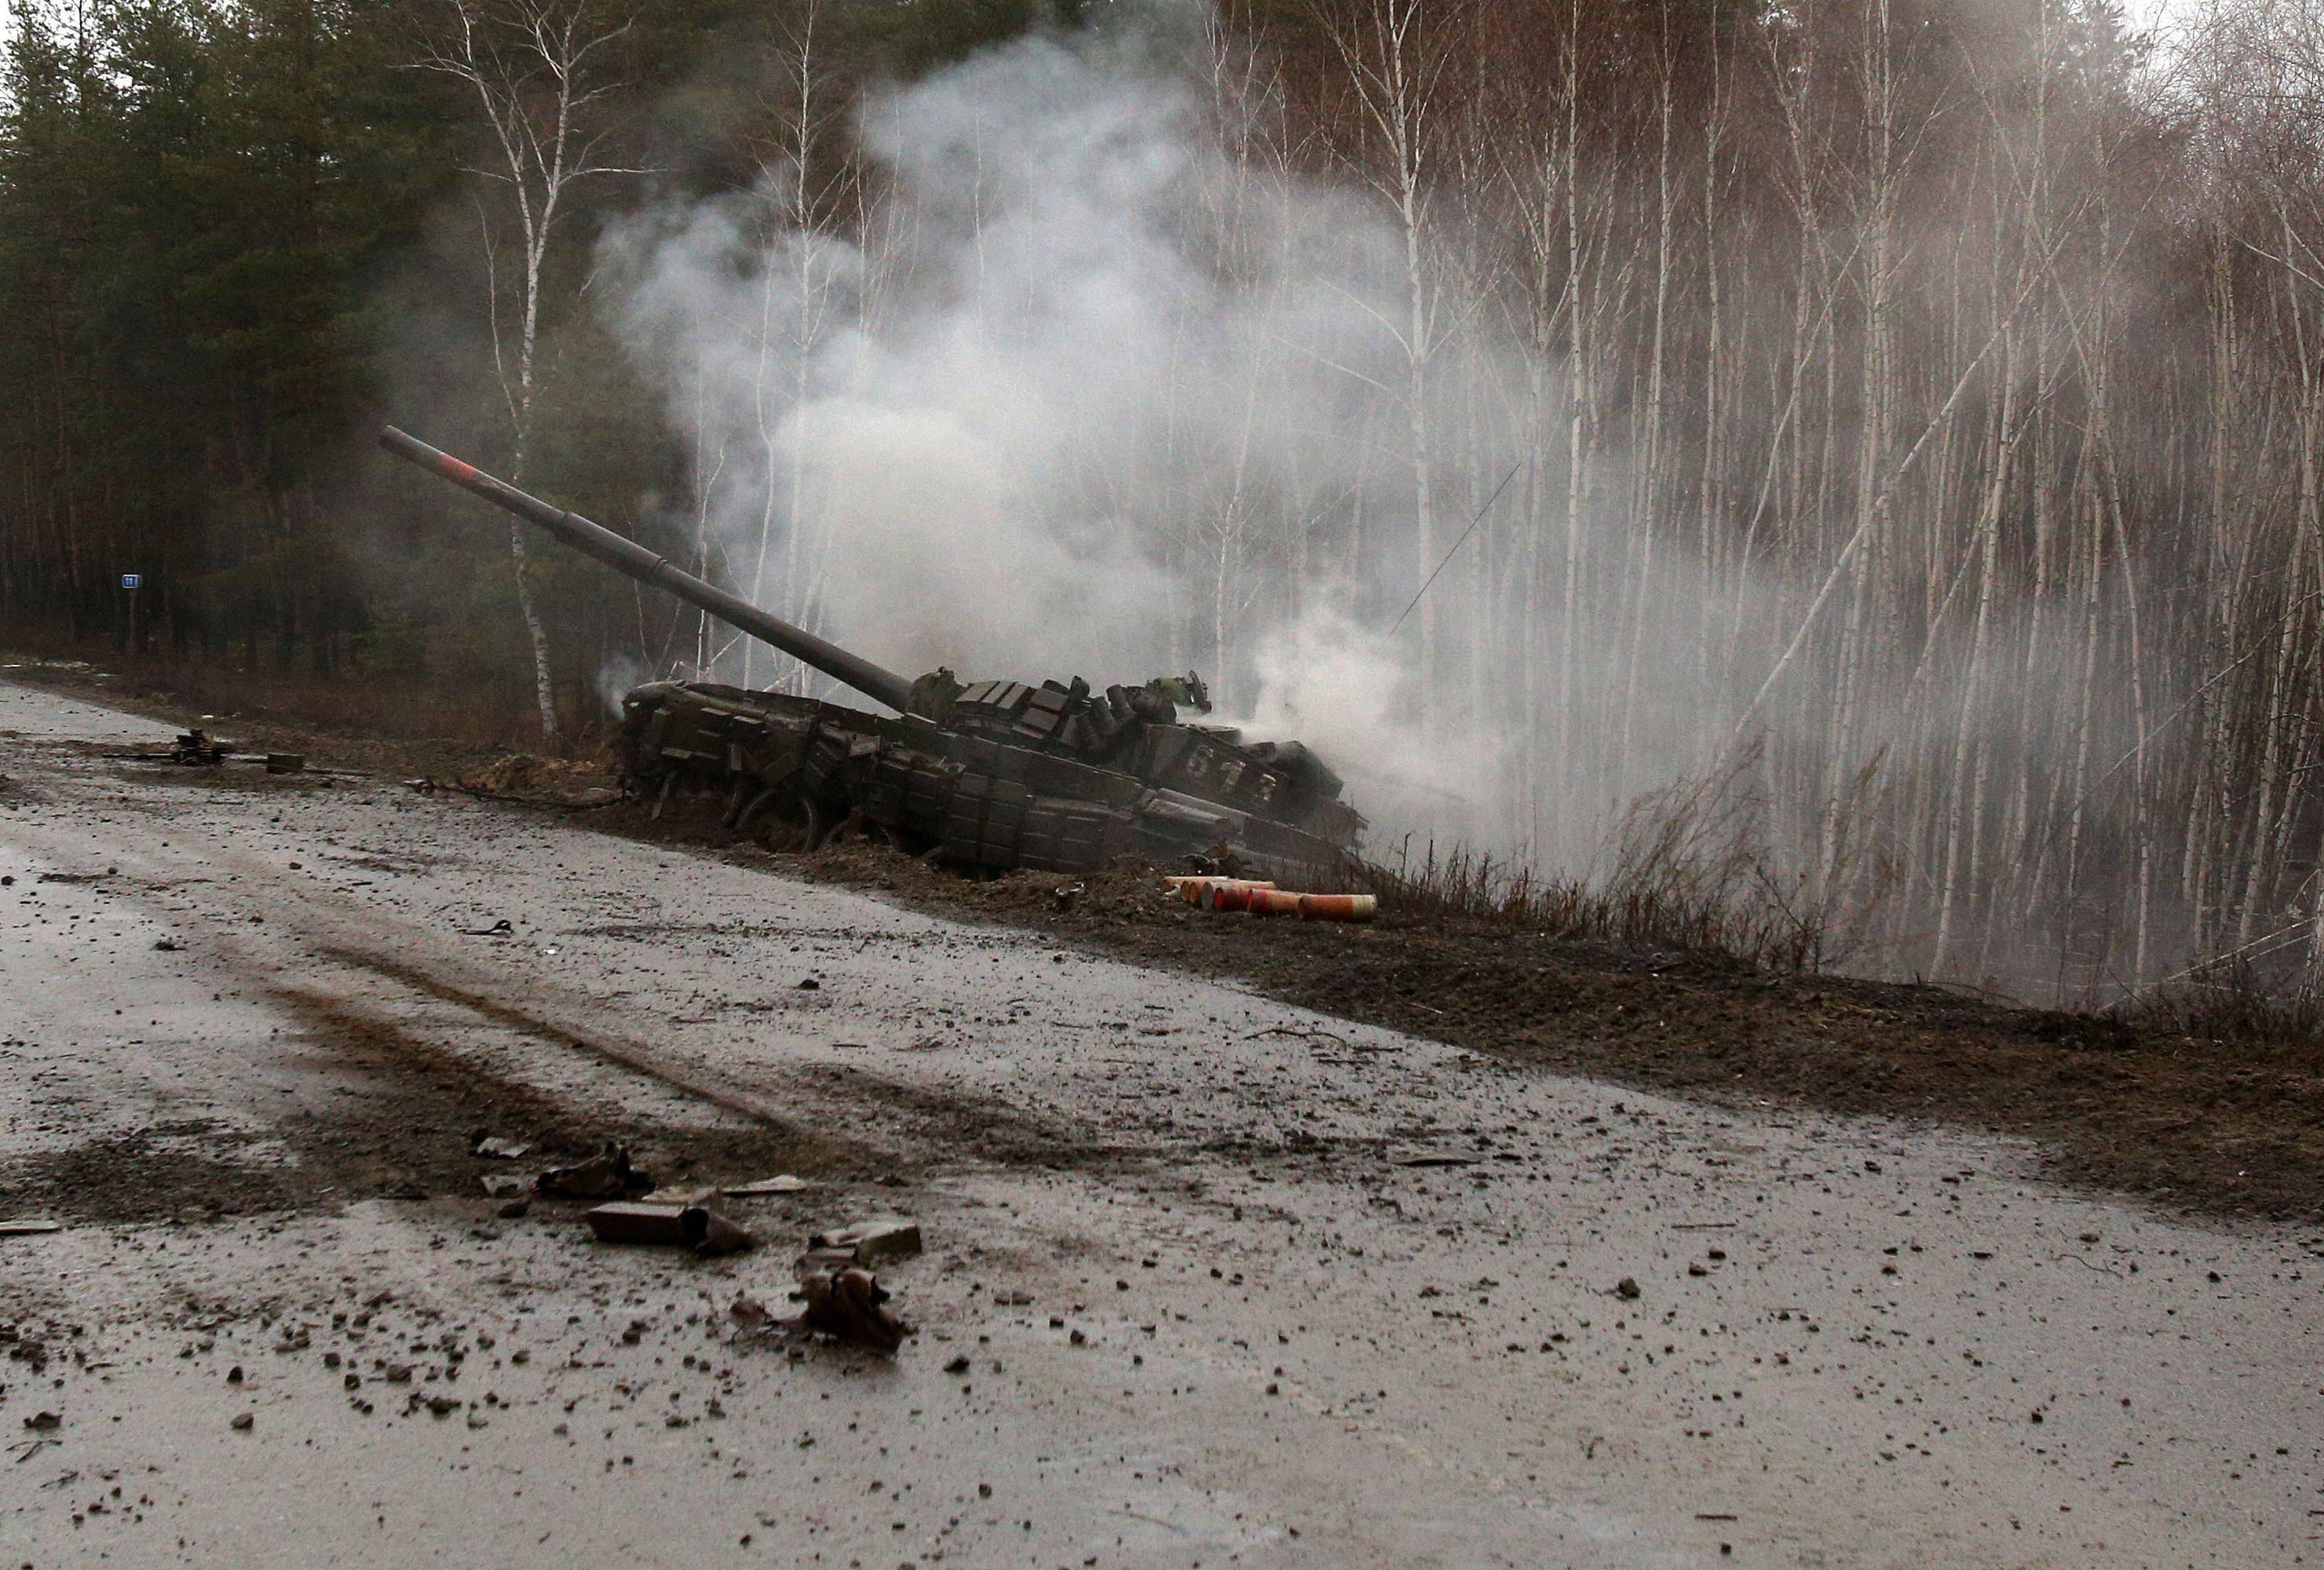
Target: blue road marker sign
<point>131,580</point>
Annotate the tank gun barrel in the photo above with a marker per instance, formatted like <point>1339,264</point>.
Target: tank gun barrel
<point>627,556</point>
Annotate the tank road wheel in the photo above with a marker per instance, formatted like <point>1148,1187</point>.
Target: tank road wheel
<point>781,817</point>
<point>739,795</point>
<point>908,842</point>
<point>827,826</point>
<point>753,809</point>
<point>820,825</point>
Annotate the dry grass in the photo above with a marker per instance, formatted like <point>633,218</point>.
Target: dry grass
<point>1688,869</point>
<point>2229,1003</point>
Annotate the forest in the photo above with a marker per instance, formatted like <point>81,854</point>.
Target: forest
<point>1879,436</point>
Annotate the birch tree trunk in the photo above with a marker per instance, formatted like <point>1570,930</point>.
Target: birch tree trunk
<point>543,82</point>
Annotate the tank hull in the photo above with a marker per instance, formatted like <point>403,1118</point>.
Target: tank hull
<point>1055,776</point>
<point>963,799</point>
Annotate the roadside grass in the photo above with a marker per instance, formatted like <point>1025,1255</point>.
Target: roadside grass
<point>1690,868</point>
<point>2229,1001</point>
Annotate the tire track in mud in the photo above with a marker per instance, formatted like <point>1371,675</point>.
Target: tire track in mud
<point>424,1084</point>
<point>263,923</point>
<point>981,1128</point>
<point>834,1098</point>
<point>628,1056</point>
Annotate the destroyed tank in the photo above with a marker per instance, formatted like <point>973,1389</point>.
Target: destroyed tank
<point>1055,777</point>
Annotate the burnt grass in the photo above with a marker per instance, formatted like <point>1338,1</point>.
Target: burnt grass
<point>2216,1127</point>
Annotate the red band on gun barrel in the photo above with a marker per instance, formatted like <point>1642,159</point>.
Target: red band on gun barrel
<point>452,469</point>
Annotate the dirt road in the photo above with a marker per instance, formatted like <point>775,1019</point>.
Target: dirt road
<point>1210,1281</point>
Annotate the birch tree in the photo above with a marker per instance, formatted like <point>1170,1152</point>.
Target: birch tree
<point>546,78</point>
<point>1394,63</point>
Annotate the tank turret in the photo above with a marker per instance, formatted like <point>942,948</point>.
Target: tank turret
<point>1056,775</point>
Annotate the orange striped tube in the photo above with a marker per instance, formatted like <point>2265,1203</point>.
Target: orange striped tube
<point>1338,907</point>
<point>1228,894</point>
<point>1189,886</point>
<point>1273,902</point>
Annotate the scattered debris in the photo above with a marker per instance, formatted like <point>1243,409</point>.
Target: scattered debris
<point>661,1221</point>
<point>606,1175</point>
<point>499,929</point>
<point>197,748</point>
<point>492,1147</point>
<point>242,1421</point>
<point>506,1186</point>
<point>44,1422</point>
<point>286,763</point>
<point>1423,1158</point>
<point>28,1226</point>
<point>783,1183</point>
<point>849,1305</point>
<point>867,1242</point>
<point>1626,1288</point>
<point>826,1259</point>
<point>166,946</point>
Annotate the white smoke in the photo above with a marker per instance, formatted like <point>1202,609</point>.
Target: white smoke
<point>1074,401</point>
<point>1328,680</point>
<point>616,676</point>
<point>1090,382</point>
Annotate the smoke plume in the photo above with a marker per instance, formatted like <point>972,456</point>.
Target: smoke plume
<point>1047,414</point>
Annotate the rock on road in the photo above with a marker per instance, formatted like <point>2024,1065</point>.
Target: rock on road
<point>1208,1280</point>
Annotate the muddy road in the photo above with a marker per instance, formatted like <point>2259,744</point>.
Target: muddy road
<point>1209,1279</point>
